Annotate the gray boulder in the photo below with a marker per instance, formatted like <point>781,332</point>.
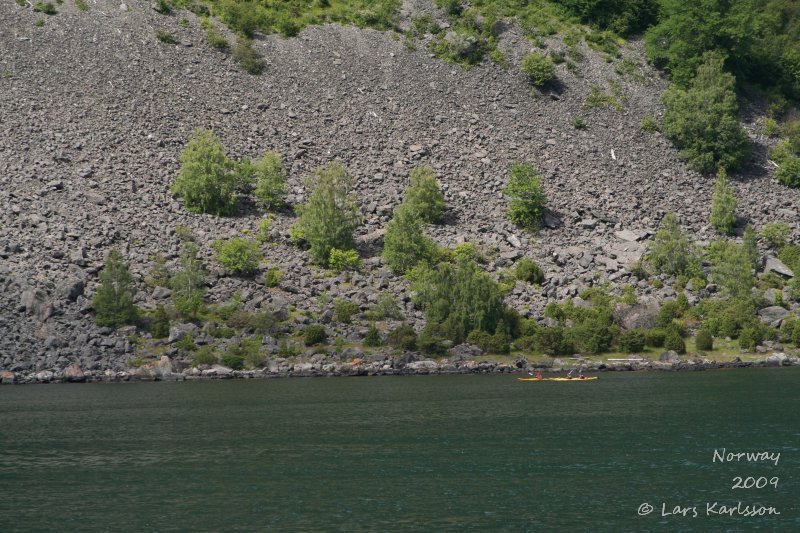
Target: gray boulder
<point>641,315</point>
<point>670,356</point>
<point>773,315</point>
<point>464,352</point>
<point>775,265</point>
<point>74,374</point>
<point>70,289</point>
<point>36,303</point>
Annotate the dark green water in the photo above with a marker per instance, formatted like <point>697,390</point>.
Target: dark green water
<point>438,453</point>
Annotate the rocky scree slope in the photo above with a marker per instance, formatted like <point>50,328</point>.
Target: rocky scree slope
<point>95,111</point>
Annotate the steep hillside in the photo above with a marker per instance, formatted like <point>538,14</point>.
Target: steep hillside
<point>96,110</point>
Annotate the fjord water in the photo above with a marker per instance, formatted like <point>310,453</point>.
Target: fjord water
<point>424,453</point>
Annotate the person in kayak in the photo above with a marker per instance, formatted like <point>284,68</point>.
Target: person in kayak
<point>580,374</point>
<point>569,374</point>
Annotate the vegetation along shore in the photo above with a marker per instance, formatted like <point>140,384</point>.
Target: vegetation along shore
<point>228,188</point>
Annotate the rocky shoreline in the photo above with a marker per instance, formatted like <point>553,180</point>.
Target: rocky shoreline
<point>407,365</point>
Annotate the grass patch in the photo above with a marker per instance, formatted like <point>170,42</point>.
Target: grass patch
<point>45,7</point>
<point>213,35</point>
<point>246,56</point>
<point>598,98</point>
<point>165,37</point>
<point>82,5</point>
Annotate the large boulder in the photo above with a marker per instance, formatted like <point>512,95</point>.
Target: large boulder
<point>775,359</point>
<point>37,303</point>
<point>777,266</point>
<point>74,374</point>
<point>670,356</point>
<point>463,352</point>
<point>70,288</point>
<point>773,315</point>
<point>641,315</point>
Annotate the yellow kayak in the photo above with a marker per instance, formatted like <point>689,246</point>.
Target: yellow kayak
<point>558,379</point>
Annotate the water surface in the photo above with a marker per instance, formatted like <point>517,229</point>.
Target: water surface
<point>423,453</point>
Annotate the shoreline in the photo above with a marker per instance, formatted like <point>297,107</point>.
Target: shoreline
<point>163,370</point>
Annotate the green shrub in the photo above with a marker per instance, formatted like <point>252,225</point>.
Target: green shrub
<point>423,196</point>
<point>649,124</point>
<point>343,310</point>
<point>404,243</point>
<point>341,260</point>
<point>263,235</point>
<point>593,330</point>
<point>430,341</point>
<point>578,123</point>
<point>632,341</point>
<point>790,256</point>
<point>166,37</point>
<point>723,205</point>
<point>674,342</point>
<point>539,68</point>
<point>159,327</point>
<point>789,172</point>
<point>655,337</point>
<point>205,355</point>
<point>373,337</point>
<point>529,271</point>
<point>598,98</point>
<point>776,234</point>
<point>423,24</point>
<point>403,337</point>
<point>239,255</point>
<point>782,152</point>
<point>272,277</point>
<point>750,246</point>
<point>703,341</point>
<point>489,343</point>
<point>527,198</point>
<point>552,341</point>
<point>269,177</point>
<point>671,252</point>
<point>82,5</point>
<point>726,318</point>
<point>207,181</point>
<point>732,269</point>
<point>213,35</point>
<point>331,214</point>
<point>314,334</point>
<point>459,299</point>
<point>221,332</point>
<point>113,301</point>
<point>159,273</point>
<point>188,283</point>
<point>467,251</point>
<point>771,128</point>
<point>163,7</point>
<point>451,7</point>
<point>749,338</point>
<point>385,307</point>
<point>45,7</point>
<point>247,58</point>
<point>186,343</point>
<point>703,120</point>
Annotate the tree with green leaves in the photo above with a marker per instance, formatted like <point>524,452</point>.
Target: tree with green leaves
<point>723,205</point>
<point>189,283</point>
<point>731,268</point>
<point>331,214</point>
<point>703,119</point>
<point>750,246</point>
<point>113,301</point>
<point>270,179</point>
<point>208,179</point>
<point>459,299</point>
<point>528,200</point>
<point>672,252</point>
<point>423,196</point>
<point>404,244</point>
